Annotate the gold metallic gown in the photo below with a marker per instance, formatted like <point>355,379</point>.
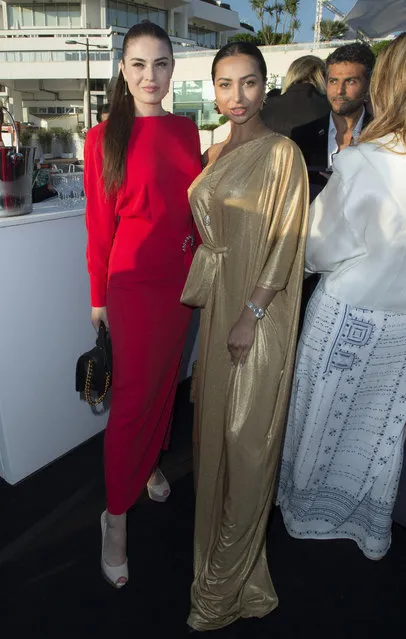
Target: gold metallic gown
<point>250,207</point>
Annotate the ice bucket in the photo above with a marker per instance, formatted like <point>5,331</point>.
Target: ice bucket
<point>16,169</point>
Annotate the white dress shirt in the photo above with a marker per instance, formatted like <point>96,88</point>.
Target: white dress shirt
<point>332,137</point>
<point>357,231</point>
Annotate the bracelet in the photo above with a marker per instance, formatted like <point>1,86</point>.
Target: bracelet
<point>257,310</point>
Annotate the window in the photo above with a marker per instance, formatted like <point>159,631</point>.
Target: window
<point>53,56</point>
<point>203,37</point>
<point>193,90</point>
<point>27,17</point>
<point>39,16</point>
<point>195,99</point>
<point>124,14</point>
<point>72,56</point>
<point>52,110</point>
<point>97,85</point>
<point>44,14</point>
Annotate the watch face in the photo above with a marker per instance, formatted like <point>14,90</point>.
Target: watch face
<point>260,313</point>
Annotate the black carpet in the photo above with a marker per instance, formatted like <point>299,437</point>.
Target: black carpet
<point>51,586</point>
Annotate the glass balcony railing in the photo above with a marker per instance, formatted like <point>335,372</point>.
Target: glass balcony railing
<point>55,56</point>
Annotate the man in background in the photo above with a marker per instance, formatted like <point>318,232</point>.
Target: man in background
<point>348,74</point>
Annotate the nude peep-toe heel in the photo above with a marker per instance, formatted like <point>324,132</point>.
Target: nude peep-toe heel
<point>159,492</point>
<point>112,574</point>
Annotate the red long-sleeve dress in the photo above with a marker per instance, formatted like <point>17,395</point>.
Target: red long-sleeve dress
<point>139,252</point>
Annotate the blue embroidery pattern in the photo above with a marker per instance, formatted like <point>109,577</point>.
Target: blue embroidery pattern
<point>344,441</point>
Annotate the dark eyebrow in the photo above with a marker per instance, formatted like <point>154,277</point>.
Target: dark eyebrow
<point>142,59</point>
<point>350,77</point>
<point>250,75</point>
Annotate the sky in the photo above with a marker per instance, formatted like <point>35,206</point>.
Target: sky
<point>307,14</point>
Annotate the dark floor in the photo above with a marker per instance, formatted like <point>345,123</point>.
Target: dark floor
<point>51,585</point>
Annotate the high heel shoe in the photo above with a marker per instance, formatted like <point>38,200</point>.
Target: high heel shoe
<point>159,492</point>
<point>112,574</point>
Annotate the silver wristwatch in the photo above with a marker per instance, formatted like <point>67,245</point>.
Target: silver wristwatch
<point>257,310</point>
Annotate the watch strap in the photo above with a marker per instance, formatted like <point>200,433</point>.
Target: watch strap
<point>257,310</point>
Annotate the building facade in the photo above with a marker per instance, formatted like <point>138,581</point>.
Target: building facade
<point>43,70</point>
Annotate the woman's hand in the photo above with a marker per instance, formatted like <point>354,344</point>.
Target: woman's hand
<point>99,314</point>
<point>241,337</point>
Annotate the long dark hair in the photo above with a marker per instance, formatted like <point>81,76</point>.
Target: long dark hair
<point>122,113</point>
<point>236,48</point>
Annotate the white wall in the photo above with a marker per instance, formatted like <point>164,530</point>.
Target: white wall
<point>41,415</point>
<point>197,65</point>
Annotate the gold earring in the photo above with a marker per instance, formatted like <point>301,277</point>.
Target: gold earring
<point>125,87</point>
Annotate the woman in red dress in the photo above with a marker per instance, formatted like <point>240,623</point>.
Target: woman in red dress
<point>138,167</point>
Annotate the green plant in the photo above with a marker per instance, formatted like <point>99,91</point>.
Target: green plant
<point>223,119</point>
<point>332,30</point>
<point>273,81</point>
<point>80,130</point>
<point>378,47</point>
<point>208,127</point>
<point>45,137</point>
<point>64,137</point>
<point>279,21</point>
<point>245,37</point>
<point>25,137</point>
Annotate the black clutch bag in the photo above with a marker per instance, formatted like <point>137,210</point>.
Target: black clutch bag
<point>94,369</point>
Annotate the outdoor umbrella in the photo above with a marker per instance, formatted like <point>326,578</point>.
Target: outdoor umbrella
<point>378,18</point>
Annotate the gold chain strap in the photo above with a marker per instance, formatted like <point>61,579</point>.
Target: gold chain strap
<point>88,384</point>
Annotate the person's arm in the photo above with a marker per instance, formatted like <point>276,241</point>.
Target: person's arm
<point>332,238</point>
<point>100,223</point>
<point>288,202</point>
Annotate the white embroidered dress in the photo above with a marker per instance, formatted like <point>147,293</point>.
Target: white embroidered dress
<point>343,448</point>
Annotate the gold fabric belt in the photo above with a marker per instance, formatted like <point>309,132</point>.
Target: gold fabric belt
<point>202,275</point>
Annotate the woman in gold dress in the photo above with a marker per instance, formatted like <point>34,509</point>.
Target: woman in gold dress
<point>250,205</point>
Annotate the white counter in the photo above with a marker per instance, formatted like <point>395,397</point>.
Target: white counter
<point>44,327</point>
<point>43,212</point>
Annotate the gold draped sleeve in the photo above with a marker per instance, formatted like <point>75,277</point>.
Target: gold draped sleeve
<point>288,194</point>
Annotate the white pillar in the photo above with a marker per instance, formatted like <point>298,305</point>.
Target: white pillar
<point>5,16</point>
<point>103,15</point>
<point>185,33</point>
<point>171,22</point>
<point>222,38</point>
<point>15,105</point>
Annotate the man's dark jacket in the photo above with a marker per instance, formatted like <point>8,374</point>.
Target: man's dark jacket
<point>312,139</point>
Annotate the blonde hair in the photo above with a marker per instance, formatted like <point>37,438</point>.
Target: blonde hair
<point>308,68</point>
<point>388,95</point>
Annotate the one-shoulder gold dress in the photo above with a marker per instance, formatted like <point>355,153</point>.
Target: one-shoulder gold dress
<point>250,207</point>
